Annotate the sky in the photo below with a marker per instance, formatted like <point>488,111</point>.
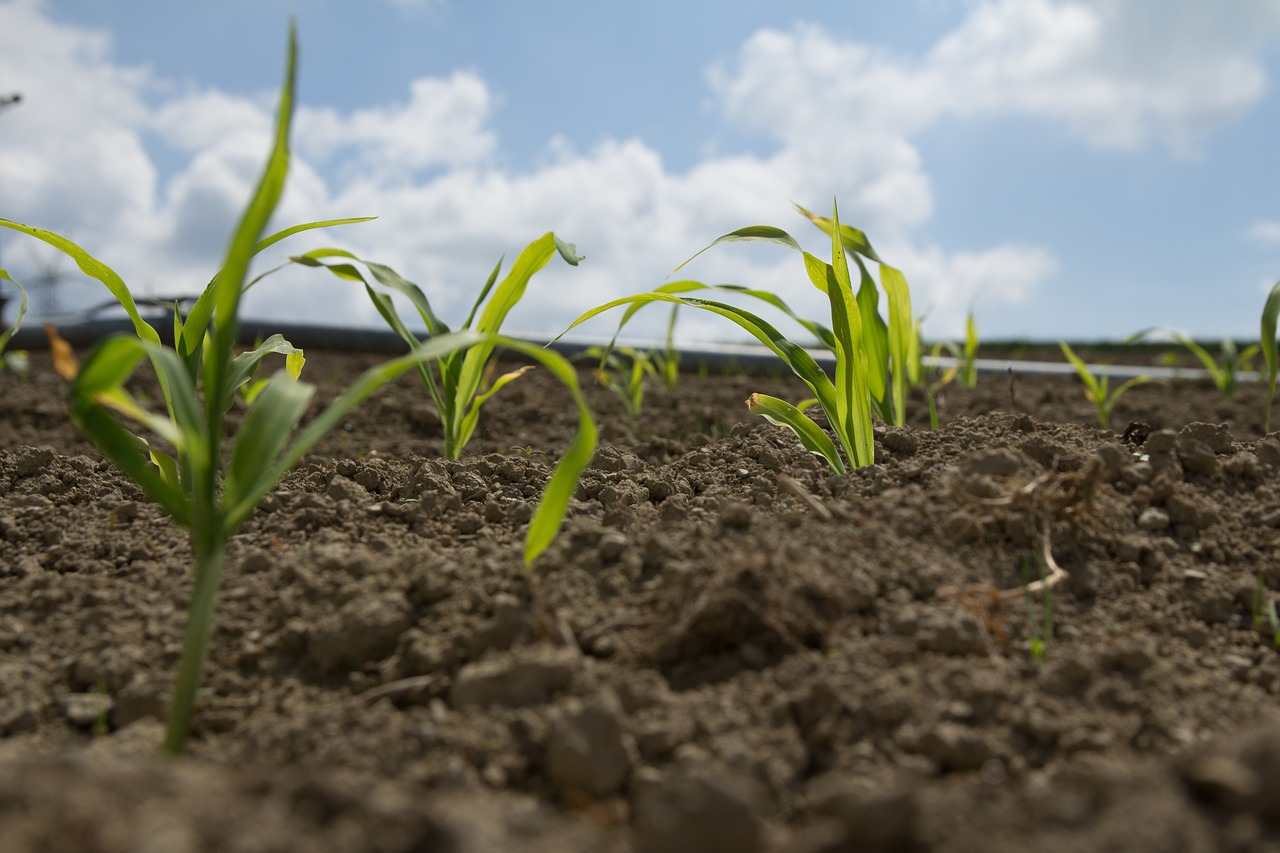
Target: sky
<point>1075,169</point>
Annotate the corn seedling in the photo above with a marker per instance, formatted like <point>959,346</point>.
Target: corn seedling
<point>13,359</point>
<point>931,390</point>
<point>1098,388</point>
<point>1265,617</point>
<point>666,363</point>
<point>1268,343</point>
<point>211,496</point>
<point>1224,374</point>
<point>891,348</point>
<point>966,356</point>
<point>847,400</point>
<point>1039,625</point>
<point>623,371</point>
<point>457,386</point>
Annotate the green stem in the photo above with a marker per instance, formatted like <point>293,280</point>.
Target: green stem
<point>210,554</point>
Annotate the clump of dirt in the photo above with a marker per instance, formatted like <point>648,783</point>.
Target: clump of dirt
<point>1017,631</point>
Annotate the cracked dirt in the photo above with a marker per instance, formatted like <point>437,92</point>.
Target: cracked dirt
<point>727,648</point>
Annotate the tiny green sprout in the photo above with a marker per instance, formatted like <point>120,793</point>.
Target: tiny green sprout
<point>1266,619</point>
<point>1098,388</point>
<point>14,360</point>
<point>1040,626</point>
<point>932,389</point>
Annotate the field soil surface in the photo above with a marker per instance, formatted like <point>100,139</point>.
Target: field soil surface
<point>727,648</point>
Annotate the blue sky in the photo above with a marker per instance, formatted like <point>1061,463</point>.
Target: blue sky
<point>1067,169</point>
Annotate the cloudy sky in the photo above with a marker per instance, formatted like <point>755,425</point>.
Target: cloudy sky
<point>1065,169</point>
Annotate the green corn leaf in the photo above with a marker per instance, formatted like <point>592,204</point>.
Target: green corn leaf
<point>98,389</point>
<point>781,413</point>
<point>852,389</point>
<point>1270,312</point>
<point>392,280</point>
<point>472,417</point>
<point>1091,383</point>
<point>792,354</point>
<point>228,286</point>
<point>901,323</point>
<point>268,242</point>
<point>168,468</point>
<point>267,428</point>
<point>875,340</point>
<point>763,233</point>
<point>246,364</point>
<point>853,239</point>
<point>820,332</point>
<point>95,269</point>
<point>131,455</point>
<point>8,333</point>
<point>564,479</point>
<point>484,293</point>
<point>505,297</point>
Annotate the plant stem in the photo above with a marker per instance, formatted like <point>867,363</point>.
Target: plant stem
<point>210,557</point>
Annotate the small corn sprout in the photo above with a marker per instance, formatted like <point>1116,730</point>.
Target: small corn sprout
<point>1097,388</point>
<point>211,496</point>
<point>1040,630</point>
<point>7,334</point>
<point>1266,619</point>
<point>457,385</point>
<point>847,400</point>
<point>1224,374</point>
<point>667,362</point>
<point>623,371</point>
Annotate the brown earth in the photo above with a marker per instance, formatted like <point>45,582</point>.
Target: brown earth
<point>727,648</point>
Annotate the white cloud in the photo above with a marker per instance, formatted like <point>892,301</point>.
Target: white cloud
<point>442,125</point>
<point>1264,231</point>
<point>842,117</point>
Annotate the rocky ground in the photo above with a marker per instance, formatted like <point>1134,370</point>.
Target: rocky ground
<point>727,648</point>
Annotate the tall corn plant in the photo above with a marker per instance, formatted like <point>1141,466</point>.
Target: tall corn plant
<point>846,401</point>
<point>209,495</point>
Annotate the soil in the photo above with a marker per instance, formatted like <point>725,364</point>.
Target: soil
<point>727,647</point>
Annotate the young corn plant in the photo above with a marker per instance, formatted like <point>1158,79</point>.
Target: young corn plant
<point>1039,625</point>
<point>666,363</point>
<point>208,494</point>
<point>457,384</point>
<point>1270,311</point>
<point>1225,373</point>
<point>932,389</point>
<point>623,371</point>
<point>1098,388</point>
<point>847,400</point>
<point>966,355</point>
<point>892,349</point>
<point>1266,620</point>
<point>12,360</point>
